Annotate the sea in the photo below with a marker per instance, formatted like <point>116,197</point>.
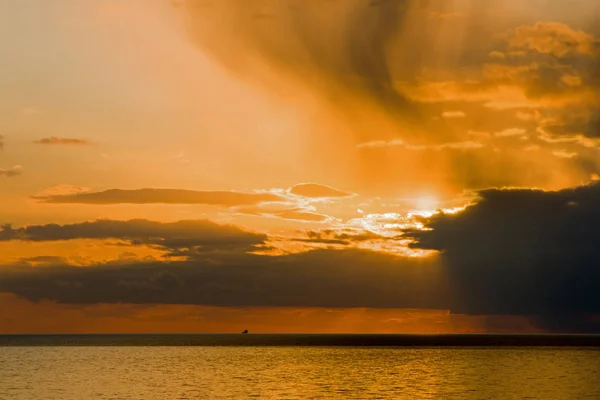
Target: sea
<point>80,367</point>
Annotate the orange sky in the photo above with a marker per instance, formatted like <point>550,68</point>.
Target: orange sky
<point>317,127</point>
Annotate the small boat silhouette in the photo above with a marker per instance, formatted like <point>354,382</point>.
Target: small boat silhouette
<point>245,331</point>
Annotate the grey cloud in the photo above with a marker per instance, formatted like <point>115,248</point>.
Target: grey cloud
<point>187,238</point>
<point>320,278</point>
<point>162,196</point>
<point>344,237</point>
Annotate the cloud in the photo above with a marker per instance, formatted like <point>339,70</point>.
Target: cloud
<point>511,132</point>
<point>523,252</point>
<point>319,278</point>
<point>344,237</point>
<point>303,215</point>
<point>375,144</point>
<point>466,145</point>
<point>401,74</point>
<point>9,173</point>
<point>44,260</point>
<point>539,85</point>
<point>306,42</point>
<point>528,116</point>
<point>160,196</point>
<point>564,154</point>
<point>285,210</point>
<point>183,238</point>
<point>453,114</point>
<point>317,191</point>
<point>63,190</point>
<point>532,66</point>
<point>572,122</point>
<point>512,252</point>
<point>554,38</point>
<point>220,268</point>
<point>53,140</point>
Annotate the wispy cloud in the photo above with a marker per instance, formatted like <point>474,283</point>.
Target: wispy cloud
<point>454,114</point>
<point>63,190</point>
<point>160,196</point>
<point>14,171</point>
<point>466,145</point>
<point>510,132</point>
<point>564,154</point>
<point>317,190</point>
<point>285,210</point>
<point>53,140</point>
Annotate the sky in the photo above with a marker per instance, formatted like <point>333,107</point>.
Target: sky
<point>397,166</point>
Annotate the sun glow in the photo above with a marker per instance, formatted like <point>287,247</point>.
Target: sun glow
<point>392,224</point>
<point>427,203</point>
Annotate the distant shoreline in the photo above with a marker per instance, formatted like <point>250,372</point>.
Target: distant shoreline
<point>290,340</point>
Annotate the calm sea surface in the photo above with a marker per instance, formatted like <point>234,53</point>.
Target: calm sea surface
<point>79,373</point>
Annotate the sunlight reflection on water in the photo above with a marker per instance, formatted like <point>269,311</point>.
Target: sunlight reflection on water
<point>71,373</point>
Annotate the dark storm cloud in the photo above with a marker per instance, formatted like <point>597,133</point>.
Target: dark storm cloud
<point>182,238</point>
<point>523,252</point>
<point>162,196</point>
<point>320,278</point>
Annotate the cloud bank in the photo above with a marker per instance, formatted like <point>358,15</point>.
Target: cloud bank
<point>519,252</point>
